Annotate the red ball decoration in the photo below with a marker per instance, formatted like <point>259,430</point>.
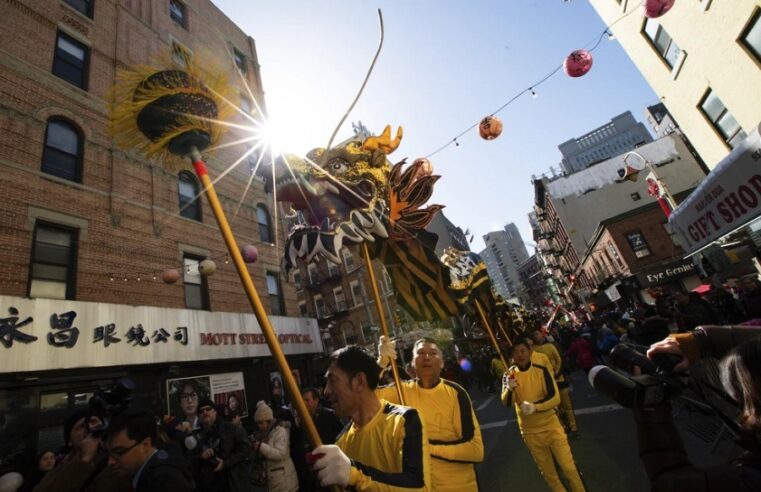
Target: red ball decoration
<point>490,127</point>
<point>656,8</point>
<point>578,63</point>
<point>170,275</point>
<point>249,253</point>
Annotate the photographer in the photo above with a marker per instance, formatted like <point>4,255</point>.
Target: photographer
<point>222,462</point>
<point>661,448</point>
<point>84,467</point>
<point>133,452</point>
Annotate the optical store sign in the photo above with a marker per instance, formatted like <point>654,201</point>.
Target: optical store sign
<point>42,334</point>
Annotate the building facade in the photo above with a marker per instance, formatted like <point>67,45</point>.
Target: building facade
<point>89,230</point>
<point>533,289</point>
<point>621,134</point>
<point>702,59</point>
<point>503,254</point>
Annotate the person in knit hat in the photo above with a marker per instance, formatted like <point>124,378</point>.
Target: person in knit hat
<point>275,448</point>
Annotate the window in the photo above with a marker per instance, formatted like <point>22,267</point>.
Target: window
<point>750,39</point>
<point>350,335</point>
<point>721,119</point>
<point>333,270</point>
<point>636,196</point>
<point>240,61</point>
<point>313,274</point>
<point>181,54</point>
<point>84,7</point>
<point>319,305</point>
<point>62,154</point>
<point>297,280</point>
<point>177,12</point>
<point>638,244</point>
<point>188,190</point>
<point>662,42</point>
<point>303,309</point>
<point>341,305</point>
<point>196,289</point>
<point>54,256</point>
<point>356,292</point>
<point>70,60</point>
<point>276,300</point>
<point>263,217</point>
<point>348,259</point>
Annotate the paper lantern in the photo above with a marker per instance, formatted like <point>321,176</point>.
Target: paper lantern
<point>207,267</point>
<point>656,8</point>
<point>490,128</point>
<point>250,253</point>
<point>578,63</point>
<point>424,167</point>
<point>170,275</point>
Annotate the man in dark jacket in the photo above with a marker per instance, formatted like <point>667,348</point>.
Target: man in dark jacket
<point>132,450</point>
<point>223,464</point>
<point>328,425</point>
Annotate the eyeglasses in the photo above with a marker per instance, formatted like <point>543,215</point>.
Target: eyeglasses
<point>118,453</point>
<point>189,396</point>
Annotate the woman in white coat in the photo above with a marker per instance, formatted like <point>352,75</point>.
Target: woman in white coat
<point>275,448</point>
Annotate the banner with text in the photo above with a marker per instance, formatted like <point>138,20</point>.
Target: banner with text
<point>41,334</point>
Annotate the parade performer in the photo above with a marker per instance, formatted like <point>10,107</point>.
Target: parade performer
<point>533,391</point>
<point>385,446</point>
<point>446,410</point>
<point>542,346</point>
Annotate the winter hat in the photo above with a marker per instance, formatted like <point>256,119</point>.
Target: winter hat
<point>206,402</point>
<point>263,412</point>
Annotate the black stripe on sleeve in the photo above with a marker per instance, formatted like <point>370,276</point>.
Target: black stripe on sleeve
<point>547,383</point>
<point>467,427</point>
<point>412,474</point>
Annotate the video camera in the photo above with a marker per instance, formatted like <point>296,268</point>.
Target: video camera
<point>657,382</point>
<point>108,402</point>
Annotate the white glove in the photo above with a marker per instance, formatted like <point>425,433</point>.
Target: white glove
<point>527,408</point>
<point>509,382</point>
<point>333,468</point>
<point>386,351</point>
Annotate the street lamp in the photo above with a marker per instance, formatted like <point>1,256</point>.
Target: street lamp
<point>656,187</point>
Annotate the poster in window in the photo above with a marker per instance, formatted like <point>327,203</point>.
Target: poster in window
<point>227,391</point>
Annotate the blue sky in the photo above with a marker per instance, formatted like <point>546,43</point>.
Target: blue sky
<point>444,65</point>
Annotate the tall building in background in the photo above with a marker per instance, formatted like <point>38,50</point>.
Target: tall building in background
<point>503,254</point>
<point>621,134</point>
<point>702,59</point>
<point>660,120</point>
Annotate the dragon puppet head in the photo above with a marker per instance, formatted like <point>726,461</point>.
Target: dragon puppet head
<point>350,194</point>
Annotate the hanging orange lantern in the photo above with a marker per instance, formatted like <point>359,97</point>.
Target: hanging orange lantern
<point>578,63</point>
<point>170,275</point>
<point>490,127</point>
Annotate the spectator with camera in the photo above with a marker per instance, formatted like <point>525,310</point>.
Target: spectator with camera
<point>222,464</point>
<point>133,451</point>
<point>661,448</point>
<point>85,466</point>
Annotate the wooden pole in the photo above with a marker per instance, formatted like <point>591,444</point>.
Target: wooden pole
<point>487,327</point>
<point>381,316</point>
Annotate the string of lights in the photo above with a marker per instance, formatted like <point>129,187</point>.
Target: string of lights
<point>532,88</point>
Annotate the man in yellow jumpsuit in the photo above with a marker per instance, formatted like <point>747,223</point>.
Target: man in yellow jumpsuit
<point>385,447</point>
<point>534,392</point>
<point>446,409</point>
<point>541,345</point>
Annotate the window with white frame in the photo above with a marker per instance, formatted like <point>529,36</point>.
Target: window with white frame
<point>661,41</point>
<point>341,305</point>
<point>721,119</point>
<point>750,39</point>
<point>356,292</point>
<point>313,273</point>
<point>333,270</point>
<point>319,306</point>
<point>70,60</point>
<point>178,13</point>
<point>348,259</point>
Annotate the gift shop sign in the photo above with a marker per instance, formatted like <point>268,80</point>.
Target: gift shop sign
<point>728,198</point>
<point>42,334</point>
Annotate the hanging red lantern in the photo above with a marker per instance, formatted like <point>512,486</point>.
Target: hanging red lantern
<point>490,127</point>
<point>250,253</point>
<point>656,8</point>
<point>578,63</point>
<point>170,275</point>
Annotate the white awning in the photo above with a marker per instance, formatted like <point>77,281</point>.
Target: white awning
<point>727,199</point>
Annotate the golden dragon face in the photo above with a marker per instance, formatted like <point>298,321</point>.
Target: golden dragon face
<point>351,194</point>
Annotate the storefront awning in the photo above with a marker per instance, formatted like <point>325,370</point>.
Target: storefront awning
<point>727,199</point>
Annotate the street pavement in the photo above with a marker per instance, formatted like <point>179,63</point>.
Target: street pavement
<point>605,450</point>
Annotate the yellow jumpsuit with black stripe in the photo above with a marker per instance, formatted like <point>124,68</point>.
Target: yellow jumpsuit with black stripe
<point>453,431</point>
<point>542,432</point>
<point>556,363</point>
<point>390,453</point>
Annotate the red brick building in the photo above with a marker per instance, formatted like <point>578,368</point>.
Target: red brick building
<point>87,228</point>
